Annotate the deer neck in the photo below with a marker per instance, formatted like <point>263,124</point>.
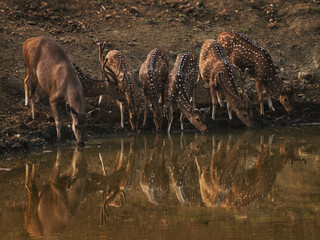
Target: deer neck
<point>184,105</point>
<point>91,87</point>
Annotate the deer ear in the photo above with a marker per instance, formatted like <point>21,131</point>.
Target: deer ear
<point>70,110</point>
<point>93,113</point>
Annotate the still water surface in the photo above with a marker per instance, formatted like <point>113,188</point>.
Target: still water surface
<point>262,184</point>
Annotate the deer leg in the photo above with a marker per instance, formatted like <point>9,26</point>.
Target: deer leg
<point>170,117</point>
<point>229,108</point>
<point>214,102</point>
<point>260,95</point>
<point>219,99</point>
<point>120,104</point>
<point>145,111</point>
<point>269,99</point>
<point>56,116</point>
<point>33,87</point>
<point>181,120</point>
<point>26,92</point>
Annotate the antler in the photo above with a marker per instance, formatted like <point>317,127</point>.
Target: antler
<point>103,62</point>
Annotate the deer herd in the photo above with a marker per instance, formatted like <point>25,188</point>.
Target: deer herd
<point>222,64</point>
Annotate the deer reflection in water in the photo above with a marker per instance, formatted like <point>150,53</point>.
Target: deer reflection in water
<point>115,185</point>
<point>52,208</point>
<point>183,171</point>
<point>154,180</point>
<point>240,173</point>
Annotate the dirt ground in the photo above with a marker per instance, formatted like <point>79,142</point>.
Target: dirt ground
<point>288,29</point>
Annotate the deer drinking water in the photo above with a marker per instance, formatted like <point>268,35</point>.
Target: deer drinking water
<point>244,53</point>
<point>50,67</point>
<point>153,75</point>
<point>182,82</point>
<point>216,70</point>
<point>119,64</point>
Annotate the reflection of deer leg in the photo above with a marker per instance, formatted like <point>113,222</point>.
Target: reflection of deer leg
<point>182,142</point>
<point>55,173</point>
<point>102,165</point>
<point>170,117</point>
<point>198,166</point>
<point>29,180</point>
<point>119,159</point>
<point>104,207</point>
<point>260,151</point>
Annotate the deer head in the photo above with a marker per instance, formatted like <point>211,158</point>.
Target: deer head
<point>286,95</point>
<point>242,105</point>
<point>197,118</point>
<point>79,122</point>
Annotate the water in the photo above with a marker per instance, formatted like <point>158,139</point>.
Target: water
<point>262,184</point>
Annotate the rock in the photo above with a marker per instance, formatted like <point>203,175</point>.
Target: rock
<point>134,10</point>
<point>70,28</point>
<point>18,14</point>
<point>32,23</point>
<point>272,25</point>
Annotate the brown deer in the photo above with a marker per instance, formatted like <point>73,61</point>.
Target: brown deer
<point>108,84</point>
<point>244,53</point>
<point>50,67</point>
<point>182,83</point>
<point>153,75</point>
<point>216,69</point>
<point>119,64</point>
<point>52,208</point>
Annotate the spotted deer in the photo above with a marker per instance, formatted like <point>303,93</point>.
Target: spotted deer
<point>119,64</point>
<point>108,84</point>
<point>182,82</point>
<point>50,67</point>
<point>153,75</point>
<point>244,53</point>
<point>216,69</point>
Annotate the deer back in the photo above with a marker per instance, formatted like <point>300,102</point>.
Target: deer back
<point>49,65</point>
<point>154,73</point>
